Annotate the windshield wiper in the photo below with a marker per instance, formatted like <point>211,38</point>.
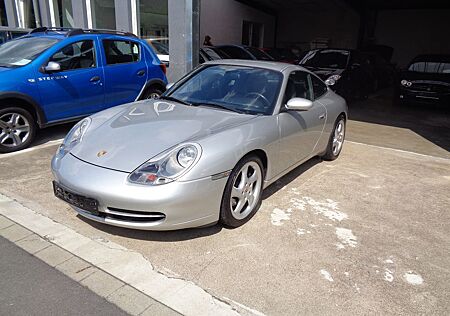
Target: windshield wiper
<point>215,105</point>
<point>169,98</point>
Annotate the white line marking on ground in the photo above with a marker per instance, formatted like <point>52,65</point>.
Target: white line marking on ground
<point>398,150</point>
<point>27,150</point>
<point>124,264</point>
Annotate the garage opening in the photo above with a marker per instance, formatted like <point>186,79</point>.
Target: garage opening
<point>367,49</point>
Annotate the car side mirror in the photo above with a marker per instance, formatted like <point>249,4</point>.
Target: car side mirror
<point>169,85</point>
<point>52,67</point>
<point>299,104</point>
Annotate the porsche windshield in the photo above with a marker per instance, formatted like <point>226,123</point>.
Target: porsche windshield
<point>22,51</point>
<point>236,88</point>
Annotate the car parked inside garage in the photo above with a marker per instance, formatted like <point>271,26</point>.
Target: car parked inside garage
<point>244,52</point>
<point>347,71</point>
<point>56,75</point>
<point>204,151</point>
<point>427,80</point>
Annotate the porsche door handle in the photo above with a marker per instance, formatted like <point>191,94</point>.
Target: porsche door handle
<point>322,116</point>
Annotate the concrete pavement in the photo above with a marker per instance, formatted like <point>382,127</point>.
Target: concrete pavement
<point>363,234</point>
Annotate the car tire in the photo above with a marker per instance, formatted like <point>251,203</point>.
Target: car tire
<point>152,93</point>
<point>17,129</point>
<point>337,138</point>
<point>242,196</point>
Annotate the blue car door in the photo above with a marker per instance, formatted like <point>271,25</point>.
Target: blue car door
<point>125,70</point>
<point>77,88</point>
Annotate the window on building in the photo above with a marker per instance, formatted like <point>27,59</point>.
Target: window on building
<point>120,52</point>
<point>252,34</point>
<point>153,18</point>
<point>3,18</point>
<point>65,13</point>
<point>28,14</point>
<point>77,55</point>
<point>103,14</point>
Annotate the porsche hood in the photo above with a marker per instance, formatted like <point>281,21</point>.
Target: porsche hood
<point>142,130</point>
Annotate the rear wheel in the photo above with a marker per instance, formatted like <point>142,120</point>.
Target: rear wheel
<point>242,195</point>
<point>152,93</point>
<point>336,140</point>
<point>17,129</point>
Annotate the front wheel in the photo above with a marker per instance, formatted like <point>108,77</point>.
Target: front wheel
<point>17,129</point>
<point>242,195</point>
<point>336,140</point>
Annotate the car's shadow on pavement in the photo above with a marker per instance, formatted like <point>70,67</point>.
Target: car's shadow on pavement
<point>291,176</point>
<point>162,236</point>
<point>193,233</point>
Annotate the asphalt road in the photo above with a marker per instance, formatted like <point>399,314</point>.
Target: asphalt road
<point>29,286</point>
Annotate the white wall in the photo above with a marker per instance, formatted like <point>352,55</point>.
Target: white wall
<point>222,20</point>
<point>297,27</point>
<point>413,32</point>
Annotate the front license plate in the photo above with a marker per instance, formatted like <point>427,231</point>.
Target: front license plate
<point>82,202</point>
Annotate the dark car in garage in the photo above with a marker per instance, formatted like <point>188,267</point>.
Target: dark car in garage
<point>284,55</point>
<point>244,52</point>
<point>427,80</point>
<point>348,72</point>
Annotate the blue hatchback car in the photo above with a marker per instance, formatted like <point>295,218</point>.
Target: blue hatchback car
<point>52,75</point>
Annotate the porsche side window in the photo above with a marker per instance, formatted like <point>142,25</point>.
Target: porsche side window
<point>298,86</point>
<point>319,87</point>
<point>77,55</point>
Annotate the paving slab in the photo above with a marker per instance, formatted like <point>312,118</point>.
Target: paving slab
<point>102,283</point>
<point>4,222</point>
<point>76,268</point>
<point>130,300</point>
<point>53,255</point>
<point>15,232</point>
<point>33,243</point>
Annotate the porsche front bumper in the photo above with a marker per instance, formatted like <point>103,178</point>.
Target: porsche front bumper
<point>171,206</point>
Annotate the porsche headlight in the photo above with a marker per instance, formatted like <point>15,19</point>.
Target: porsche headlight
<point>168,166</point>
<point>331,80</point>
<point>74,137</point>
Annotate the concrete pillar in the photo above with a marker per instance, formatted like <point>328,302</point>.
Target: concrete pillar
<point>81,14</point>
<point>124,19</point>
<point>11,13</point>
<point>184,32</point>
<point>47,13</point>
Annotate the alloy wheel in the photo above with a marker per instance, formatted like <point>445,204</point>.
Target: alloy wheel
<point>14,129</point>
<point>338,137</point>
<point>246,190</point>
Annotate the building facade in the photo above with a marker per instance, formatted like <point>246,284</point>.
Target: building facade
<point>146,18</point>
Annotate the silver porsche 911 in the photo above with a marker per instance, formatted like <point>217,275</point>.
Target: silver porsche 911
<point>204,151</point>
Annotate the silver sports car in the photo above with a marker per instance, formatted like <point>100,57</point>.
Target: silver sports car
<point>204,151</point>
